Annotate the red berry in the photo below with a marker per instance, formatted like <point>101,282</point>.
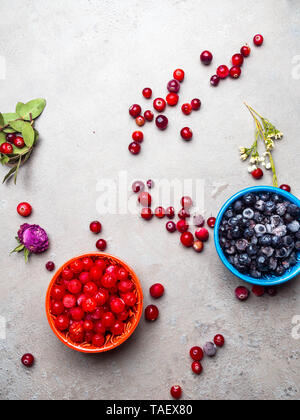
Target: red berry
<point>98,340</point>
<point>206,57</point>
<point>10,137</point>
<point>285,187</point>
<point>67,274</point>
<point>109,280</point>
<point>237,60</point>
<point>84,277</point>
<point>130,299</point>
<point>76,332</point>
<point>147,93</point>
<point>172,99</point>
<point>258,290</point>
<point>202,234</point>
<point>27,360</point>
<point>138,186</point>
<point>145,199</point>
<point>258,40</point>
<point>170,212</point>
<point>160,212</point>
<point>102,296</point>
<point>173,86</point>
<point>88,325</point>
<point>118,328</point>
<point>257,173</point>
<point>272,291</point>
<point>6,149</point>
<point>186,109</point>
<point>108,319</point>
<point>24,209</point>
<point>77,314</point>
<point>99,328</point>
<point>197,368</point>
<point>176,392</point>
<point>75,286</point>
<point>235,72</point>
<point>186,133</point>
<point>76,266</point>
<point>159,104</point>
<point>171,227</point>
<point>69,301</point>
<point>62,322</point>
<point>122,274</point>
<point>157,290</point>
<point>135,110</point>
<point>148,115</point>
<point>211,222</point>
<point>90,288</point>
<point>125,286</point>
<point>182,226</point>
<point>140,121</point>
<point>95,227</point>
<point>196,104</point>
<point>101,244</point>
<point>58,292</point>
<point>151,313</point>
<point>138,136</point>
<point>96,273</point>
<point>150,184</point>
<point>223,72</point>
<point>89,304</point>
<point>186,202</point>
<point>19,142</point>
<point>187,239</point>
<point>161,122</point>
<point>214,80</point>
<point>183,214</point>
<point>117,305</point>
<point>134,148</point>
<point>50,266</point>
<point>178,75</point>
<point>57,307</point>
<point>219,340</point>
<point>196,353</point>
<point>242,293</point>
<point>246,50</point>
<point>123,316</point>
<point>146,213</point>
<point>198,246</point>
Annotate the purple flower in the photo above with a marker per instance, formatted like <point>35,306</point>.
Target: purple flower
<point>34,238</point>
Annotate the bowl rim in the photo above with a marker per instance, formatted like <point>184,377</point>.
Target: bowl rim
<point>246,278</point>
<point>137,318</point>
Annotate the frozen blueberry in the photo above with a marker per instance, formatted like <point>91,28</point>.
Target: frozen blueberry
<point>233,221</point>
<point>265,196</point>
<point>288,218</point>
<point>241,245</point>
<point>237,232</point>
<point>254,240</point>
<point>273,264</point>
<point>297,246</point>
<point>293,210</point>
<point>252,250</point>
<point>265,240</point>
<point>245,223</point>
<point>293,226</point>
<point>280,209</point>
<point>288,241</point>
<point>293,259</point>
<point>248,233</point>
<point>229,213</point>
<point>248,213</point>
<point>285,264</point>
<point>279,270</point>
<point>276,198</point>
<point>280,230</point>
<point>270,207</point>
<point>260,230</point>
<point>268,251</point>
<point>238,206</point>
<point>244,260</point>
<point>297,236</point>
<point>258,218</point>
<point>277,241</point>
<point>231,250</point>
<point>281,253</point>
<point>249,199</point>
<point>262,262</point>
<point>210,349</point>
<point>260,205</point>
<point>275,220</point>
<point>255,273</point>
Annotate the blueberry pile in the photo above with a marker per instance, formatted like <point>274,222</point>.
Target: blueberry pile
<point>260,234</point>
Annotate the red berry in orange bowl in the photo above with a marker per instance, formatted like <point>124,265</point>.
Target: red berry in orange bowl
<point>24,209</point>
<point>179,75</point>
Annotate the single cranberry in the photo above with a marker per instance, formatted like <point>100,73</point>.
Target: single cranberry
<point>161,122</point>
<point>198,220</point>
<point>88,325</point>
<point>237,60</point>
<point>69,301</point>
<point>57,307</point>
<point>140,121</point>
<point>145,199</point>
<point>150,184</point>
<point>101,244</point>
<point>67,274</point>
<point>99,328</point>
<point>151,313</point>
<point>122,274</point>
<point>123,316</point>
<point>182,226</point>
<point>186,133</point>
<point>138,136</point>
<point>117,305</point>
<point>76,266</point>
<point>211,222</point>
<point>76,332</point>
<point>118,328</point>
<point>98,340</point>
<point>58,292</point>
<point>196,353</point>
<point>285,187</point>
<point>130,299</point>
<point>19,142</point>
<point>6,149</point>
<point>196,104</point>
<point>97,314</point>
<point>109,280</point>
<point>138,186</point>
<point>206,57</point>
<point>171,227</point>
<point>160,212</point>
<point>242,293</point>
<point>187,239</point>
<point>219,340</point>
<point>173,86</point>
<point>96,273</point>
<point>186,202</point>
<point>50,266</point>
<point>159,104</point>
<point>95,227</point>
<point>89,304</point>
<point>170,212</point>
<point>147,93</point>
<point>24,209</point>
<point>135,110</point>
<point>10,137</point>
<point>257,173</point>
<point>258,290</point>
<point>84,277</point>
<point>197,368</point>
<point>62,322</point>
<point>223,72</point>
<point>245,50</point>
<point>202,234</point>
<point>102,296</point>
<point>198,246</point>
<point>108,319</point>
<point>184,214</point>
<point>272,291</point>
<point>172,99</point>
<point>214,80</point>
<point>176,392</point>
<point>258,40</point>
<point>186,109</point>
<point>157,290</point>
<point>134,148</point>
<point>87,263</point>
<point>125,286</point>
<point>77,314</point>
<point>27,360</point>
<point>146,213</point>
<point>235,72</point>
<point>148,115</point>
<point>90,288</point>
<point>178,75</point>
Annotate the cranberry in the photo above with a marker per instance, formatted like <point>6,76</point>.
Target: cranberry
<point>223,72</point>
<point>125,286</point>
<point>198,220</point>
<point>258,40</point>
<point>6,149</point>
<point>176,392</point>
<point>88,325</point>
<point>67,274</point>
<point>130,299</point>
<point>135,110</point>
<point>57,307</point>
<point>84,277</point>
<point>24,209</point>
<point>77,314</point>
<point>187,239</point>
<point>90,289</point>
<point>89,304</point>
<point>214,80</point>
<point>146,213</point>
<point>257,173</point>
<point>206,57</point>
<point>211,222</point>
<point>285,187</point>
<point>182,226</point>
<point>76,332</point>
<point>123,316</point>
<point>150,184</point>
<point>178,75</point>
<point>237,60</point>
<point>161,122</point>
<point>118,328</point>
<point>69,301</point>
<point>198,246</point>
<point>27,360</point>
<point>196,104</point>
<point>272,291</point>
<point>62,322</point>
<point>138,136</point>
<point>151,313</point>
<point>98,340</point>
<point>109,280</point>
<point>140,121</point>
<point>245,50</point>
<point>96,273</point>
<point>117,305</point>
<point>197,368</point>
<point>187,109</point>
<point>148,115</point>
<point>172,99</point>
<point>157,290</point>
<point>101,244</point>
<point>87,263</point>
<point>147,93</point>
<point>95,227</point>
<point>134,148</point>
<point>202,234</point>
<point>160,212</point>
<point>145,199</point>
<point>102,296</point>
<point>170,212</point>
<point>242,293</point>
<point>186,202</point>
<point>57,292</point>
<point>19,142</point>
<point>219,340</point>
<point>138,186</point>
<point>159,104</point>
<point>196,353</point>
<point>258,290</point>
<point>10,137</point>
<point>171,227</point>
<point>122,274</point>
<point>99,328</point>
<point>235,72</point>
<point>183,214</point>
<point>173,86</point>
<point>186,133</point>
<point>50,266</point>
<point>108,319</point>
<point>76,266</point>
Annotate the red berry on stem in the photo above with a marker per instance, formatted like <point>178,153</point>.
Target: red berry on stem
<point>197,368</point>
<point>173,86</point>
<point>135,110</point>
<point>160,212</point>
<point>138,186</point>
<point>148,115</point>
<point>285,187</point>
<point>187,109</point>
<point>146,213</point>
<point>19,142</point>
<point>161,122</point>
<point>50,266</point>
<point>151,313</point>
<point>223,72</point>
<point>258,40</point>
<point>172,99</point>
<point>214,80</point>
<point>147,93</point>
<point>138,136</point>
<point>6,149</point>
<point>140,121</point>
<point>145,199</point>
<point>157,290</point>
<point>134,148</point>
<point>237,60</point>
<point>257,173</point>
<point>24,209</point>
<point>27,360</point>
<point>202,234</point>
<point>242,293</point>
<point>101,244</point>
<point>206,57</point>
<point>245,50</point>
<point>219,340</point>
<point>159,104</point>
<point>196,104</point>
<point>196,353</point>
<point>186,133</point>
<point>95,227</point>
<point>176,392</point>
<point>171,227</point>
<point>178,75</point>
<point>187,239</point>
<point>10,137</point>
<point>211,222</point>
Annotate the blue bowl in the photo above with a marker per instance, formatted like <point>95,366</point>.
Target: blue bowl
<point>269,279</point>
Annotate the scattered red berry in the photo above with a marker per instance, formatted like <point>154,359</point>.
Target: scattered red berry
<point>171,227</point>
<point>202,234</point>
<point>138,136</point>
<point>258,290</point>
<point>173,86</point>
<point>258,40</point>
<point>138,186</point>
<point>182,226</point>
<point>285,187</point>
<point>101,244</point>
<point>160,212</point>
<point>148,115</point>
<point>150,184</point>
<point>134,148</point>
<point>176,392</point>
<point>10,137</point>
<point>151,313</point>
<point>19,142</point>
<point>135,110</point>
<point>184,214</point>
<point>172,99</point>
<point>157,290</point>
<point>219,340</point>
<point>186,202</point>
<point>245,50</point>
<point>196,353</point>
<point>147,93</point>
<point>161,122</point>
<point>211,222</point>
<point>6,149</point>
<point>178,75</point>
<point>145,199</point>
<point>159,104</point>
<point>237,60</point>
<point>197,368</point>
<point>214,80</point>
<point>170,212</point>
<point>257,173</point>
<point>140,121</point>
<point>24,209</point>
<point>198,246</point>
<point>186,133</point>
<point>235,72</point>
<point>95,227</point>
<point>242,293</point>
<point>187,239</point>
<point>196,104</point>
<point>223,72</point>
<point>27,360</point>
<point>198,220</point>
<point>146,213</point>
<point>272,291</point>
<point>186,109</point>
<point>50,266</point>
<point>206,57</point>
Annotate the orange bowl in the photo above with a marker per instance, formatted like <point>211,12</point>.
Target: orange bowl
<point>111,341</point>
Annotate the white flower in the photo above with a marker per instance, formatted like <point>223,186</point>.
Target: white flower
<point>242,150</point>
<point>244,156</point>
<point>268,165</point>
<point>252,168</point>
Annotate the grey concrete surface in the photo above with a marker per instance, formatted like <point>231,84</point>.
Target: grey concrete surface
<point>91,61</point>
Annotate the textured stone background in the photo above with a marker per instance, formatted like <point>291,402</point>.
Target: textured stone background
<point>91,62</point>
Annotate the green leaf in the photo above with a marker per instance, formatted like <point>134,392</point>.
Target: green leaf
<point>28,134</point>
<point>33,108</point>
<point>17,125</point>
<point>2,138</point>
<point>17,170</point>
<point>26,254</point>
<point>9,174</point>
<point>19,248</point>
<point>1,120</point>
<point>9,130</point>
<point>9,117</point>
<point>4,160</point>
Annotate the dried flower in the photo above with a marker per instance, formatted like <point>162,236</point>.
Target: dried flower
<point>32,239</point>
